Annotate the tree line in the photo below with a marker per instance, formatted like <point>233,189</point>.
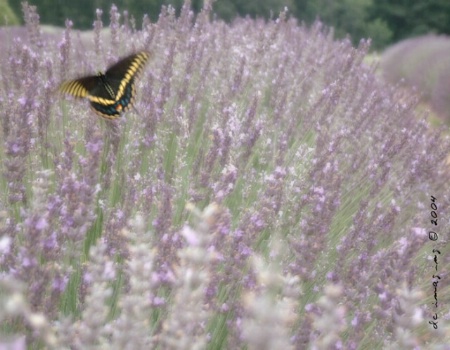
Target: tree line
<point>384,21</point>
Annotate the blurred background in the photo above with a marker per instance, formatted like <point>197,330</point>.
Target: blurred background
<point>408,35</point>
<point>384,21</point>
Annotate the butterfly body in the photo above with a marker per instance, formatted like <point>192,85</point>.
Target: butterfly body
<point>112,93</point>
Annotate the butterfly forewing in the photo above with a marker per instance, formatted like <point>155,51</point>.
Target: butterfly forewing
<point>112,93</point>
<point>125,70</point>
<point>132,64</point>
<point>80,87</point>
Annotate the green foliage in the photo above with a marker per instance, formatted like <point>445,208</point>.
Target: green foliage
<point>383,21</point>
<point>225,9</point>
<point>380,33</point>
<point>347,17</point>
<point>7,15</point>
<point>409,19</point>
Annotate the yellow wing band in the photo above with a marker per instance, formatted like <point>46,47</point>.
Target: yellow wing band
<point>133,71</point>
<point>74,88</point>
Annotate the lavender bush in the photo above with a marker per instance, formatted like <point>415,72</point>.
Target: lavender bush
<point>270,193</point>
<point>422,63</point>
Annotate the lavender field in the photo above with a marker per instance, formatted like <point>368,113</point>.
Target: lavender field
<point>270,192</point>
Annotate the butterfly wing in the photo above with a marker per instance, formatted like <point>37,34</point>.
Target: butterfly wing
<point>126,70</point>
<point>128,67</point>
<point>97,91</point>
<point>105,92</point>
<point>111,93</point>
<point>114,109</point>
<point>80,87</point>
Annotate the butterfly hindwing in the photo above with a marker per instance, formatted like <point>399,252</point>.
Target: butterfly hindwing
<point>113,109</point>
<point>105,92</point>
<point>111,93</point>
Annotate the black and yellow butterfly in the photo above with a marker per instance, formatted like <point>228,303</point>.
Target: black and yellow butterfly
<point>110,93</point>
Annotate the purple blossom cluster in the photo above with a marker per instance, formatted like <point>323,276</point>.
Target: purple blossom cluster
<point>268,192</point>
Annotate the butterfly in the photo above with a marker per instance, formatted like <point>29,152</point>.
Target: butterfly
<point>110,93</point>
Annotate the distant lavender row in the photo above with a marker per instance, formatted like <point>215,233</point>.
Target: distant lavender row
<point>422,63</point>
<point>270,193</point>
